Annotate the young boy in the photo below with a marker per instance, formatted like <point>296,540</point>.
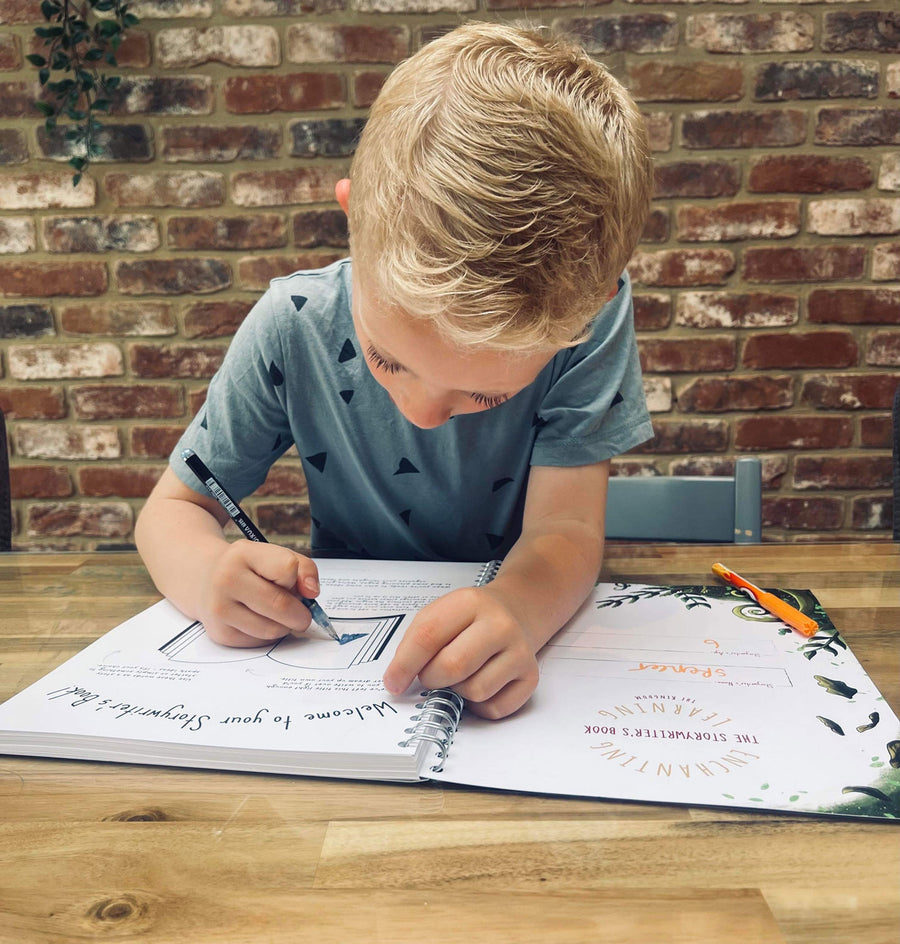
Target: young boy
<point>458,391</point>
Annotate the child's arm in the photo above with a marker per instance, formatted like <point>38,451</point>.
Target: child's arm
<point>482,641</point>
<point>243,592</point>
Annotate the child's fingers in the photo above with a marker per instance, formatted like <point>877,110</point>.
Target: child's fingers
<point>510,698</point>
<point>428,634</point>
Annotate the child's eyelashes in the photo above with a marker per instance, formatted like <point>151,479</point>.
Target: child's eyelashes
<point>485,400</point>
<point>488,401</point>
<point>381,362</point>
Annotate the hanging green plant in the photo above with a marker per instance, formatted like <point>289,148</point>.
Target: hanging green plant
<point>80,42</point>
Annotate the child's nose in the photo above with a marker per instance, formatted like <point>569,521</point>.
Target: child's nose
<point>424,410</point>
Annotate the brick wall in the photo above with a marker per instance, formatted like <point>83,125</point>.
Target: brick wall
<point>768,281</point>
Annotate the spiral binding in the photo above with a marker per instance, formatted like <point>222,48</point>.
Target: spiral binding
<point>488,572</point>
<point>439,715</point>
<point>437,720</point>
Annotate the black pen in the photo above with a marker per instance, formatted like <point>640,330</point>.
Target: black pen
<point>238,516</point>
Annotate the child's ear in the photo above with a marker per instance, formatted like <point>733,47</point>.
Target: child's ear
<point>342,192</point>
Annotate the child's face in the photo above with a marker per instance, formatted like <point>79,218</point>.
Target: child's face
<point>429,379</point>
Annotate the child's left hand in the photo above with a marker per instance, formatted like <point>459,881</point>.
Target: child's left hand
<point>469,640</point>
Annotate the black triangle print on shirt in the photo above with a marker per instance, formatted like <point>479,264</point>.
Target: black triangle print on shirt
<point>495,540</point>
<point>299,301</point>
<point>500,483</point>
<point>346,395</point>
<point>318,460</point>
<point>348,352</point>
<point>618,398</point>
<point>405,467</point>
<point>275,375</point>
<point>538,421</point>
<point>203,422</point>
<point>405,515</point>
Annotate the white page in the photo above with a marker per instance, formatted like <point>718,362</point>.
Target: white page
<point>700,698</point>
<point>165,693</point>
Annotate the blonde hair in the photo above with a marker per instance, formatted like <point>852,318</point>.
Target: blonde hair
<point>500,185</point>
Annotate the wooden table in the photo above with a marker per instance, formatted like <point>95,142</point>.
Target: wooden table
<point>93,851</point>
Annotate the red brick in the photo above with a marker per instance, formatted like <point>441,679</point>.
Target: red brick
<point>264,94</point>
<point>54,361</point>
<point>10,53</point>
<point>638,33</point>
<point>853,217</point>
<point>815,473</point>
<point>32,403</point>
<point>854,306</point>
<point>659,130</point>
<point>39,481</point>
<point>47,190</point>
<point>65,519</point>
<point>652,312</point>
<point>731,310</point>
<point>262,231</point>
<point>122,319</point>
<point>274,187</point>
<point>100,234</point>
<point>868,391</point>
<point>685,82</point>
<point>696,179</point>
<point>774,468</point>
<point>172,276</point>
<point>806,79</point>
<point>191,361</point>
<point>675,355</point>
<point>656,229</point>
<point>686,437</point>
<point>330,43</point>
<point>815,264</point>
<point>775,431</point>
<point>154,442</point>
<point>286,480</point>
<point>126,401</point>
<point>187,189</point>
<point>876,432</point>
<point>855,127</point>
<point>742,33</point>
<point>117,481</point>
<point>743,129</point>
<point>721,394</point>
<point>872,512</point>
<point>214,319</point>
<point>808,173</point>
<point>725,222</point>
<point>682,267</point>
<point>886,262</point>
<point>883,349</point>
<point>51,279</point>
<point>868,30</point>
<point>249,46</point>
<point>801,349</point>
<point>255,272</point>
<point>803,514</point>
<point>57,441</point>
<point>283,517</point>
<point>366,86</point>
<point>215,143</point>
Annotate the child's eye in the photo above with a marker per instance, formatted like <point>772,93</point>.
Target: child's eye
<point>489,402</point>
<point>381,362</point>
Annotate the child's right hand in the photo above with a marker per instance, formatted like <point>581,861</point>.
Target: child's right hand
<point>251,594</point>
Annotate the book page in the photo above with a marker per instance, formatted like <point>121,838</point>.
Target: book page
<point>694,695</point>
<point>158,689</point>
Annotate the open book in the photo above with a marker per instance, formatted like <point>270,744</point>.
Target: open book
<point>685,694</point>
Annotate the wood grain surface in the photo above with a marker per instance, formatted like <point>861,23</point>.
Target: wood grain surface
<point>102,852</point>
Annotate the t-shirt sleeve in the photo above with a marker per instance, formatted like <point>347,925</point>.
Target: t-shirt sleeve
<point>595,408</point>
<point>242,427</point>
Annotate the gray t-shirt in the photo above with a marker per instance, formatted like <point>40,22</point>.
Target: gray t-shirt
<point>378,485</point>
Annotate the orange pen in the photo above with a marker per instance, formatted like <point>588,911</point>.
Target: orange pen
<point>768,601</point>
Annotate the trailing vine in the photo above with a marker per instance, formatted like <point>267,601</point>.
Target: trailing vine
<point>80,42</point>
